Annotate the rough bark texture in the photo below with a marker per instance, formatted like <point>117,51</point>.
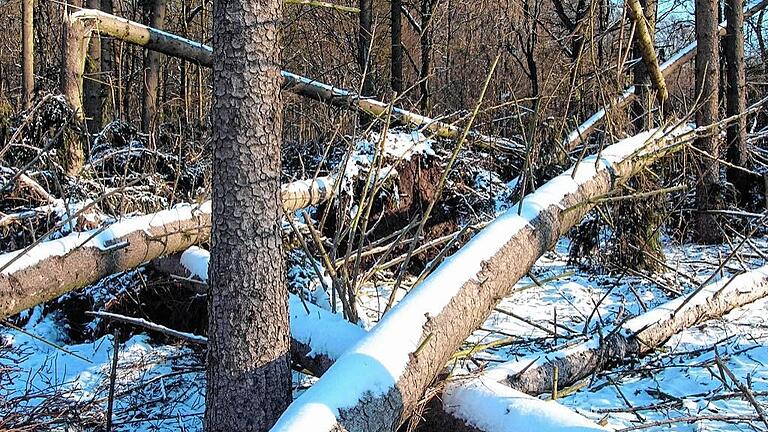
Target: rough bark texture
<point>644,40</point>
<point>167,43</point>
<point>624,344</point>
<point>52,276</point>
<point>707,90</point>
<point>248,376</point>
<point>27,52</point>
<point>156,12</point>
<point>470,306</point>
<point>92,88</point>
<point>736,101</point>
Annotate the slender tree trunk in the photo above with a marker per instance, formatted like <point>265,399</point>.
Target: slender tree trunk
<point>27,52</point>
<point>92,88</point>
<point>640,108</point>
<point>365,34</point>
<point>397,47</point>
<point>736,135</point>
<point>248,375</point>
<point>151,76</point>
<point>707,90</point>
<point>425,39</point>
<point>110,94</point>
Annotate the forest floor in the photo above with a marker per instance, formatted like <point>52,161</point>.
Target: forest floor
<point>56,362</point>
<point>160,386</point>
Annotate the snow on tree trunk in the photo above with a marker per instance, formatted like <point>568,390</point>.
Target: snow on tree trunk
<point>377,384</point>
<point>638,336</point>
<point>51,268</point>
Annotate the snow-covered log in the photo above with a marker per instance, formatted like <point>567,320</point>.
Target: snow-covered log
<point>47,270</point>
<point>85,22</point>
<point>480,404</point>
<point>669,67</point>
<point>378,383</point>
<point>636,337</point>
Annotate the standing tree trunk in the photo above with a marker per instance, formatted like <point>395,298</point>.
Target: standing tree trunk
<point>735,98</point>
<point>707,86</point>
<point>425,39</point>
<point>397,46</point>
<point>27,52</point>
<point>641,112</point>
<point>248,375</point>
<point>92,88</point>
<point>364,37</point>
<point>110,94</point>
<point>156,10</point>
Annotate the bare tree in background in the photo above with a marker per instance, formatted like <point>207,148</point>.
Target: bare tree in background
<point>707,85</point>
<point>365,35</point>
<point>27,52</point>
<point>735,98</point>
<point>92,88</point>
<point>156,12</point>
<point>248,374</point>
<point>397,46</point>
<point>641,108</point>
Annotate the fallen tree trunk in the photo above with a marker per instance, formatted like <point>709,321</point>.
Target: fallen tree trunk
<point>377,384</point>
<point>49,269</point>
<point>83,23</point>
<point>635,338</point>
<point>673,64</point>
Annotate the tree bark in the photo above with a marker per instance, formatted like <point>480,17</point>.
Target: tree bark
<point>641,105</point>
<point>409,347</point>
<point>155,10</point>
<point>425,40</point>
<point>645,28</point>
<point>92,88</point>
<point>49,269</point>
<point>736,101</point>
<point>396,45</point>
<point>27,52</point>
<point>248,377</point>
<point>365,36</point>
<point>707,91</point>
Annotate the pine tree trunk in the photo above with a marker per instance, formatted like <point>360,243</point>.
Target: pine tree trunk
<point>707,91</point>
<point>156,12</point>
<point>248,376</point>
<point>27,52</point>
<point>736,135</point>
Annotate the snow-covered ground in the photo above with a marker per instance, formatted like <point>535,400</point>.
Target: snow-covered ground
<point>161,387</point>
